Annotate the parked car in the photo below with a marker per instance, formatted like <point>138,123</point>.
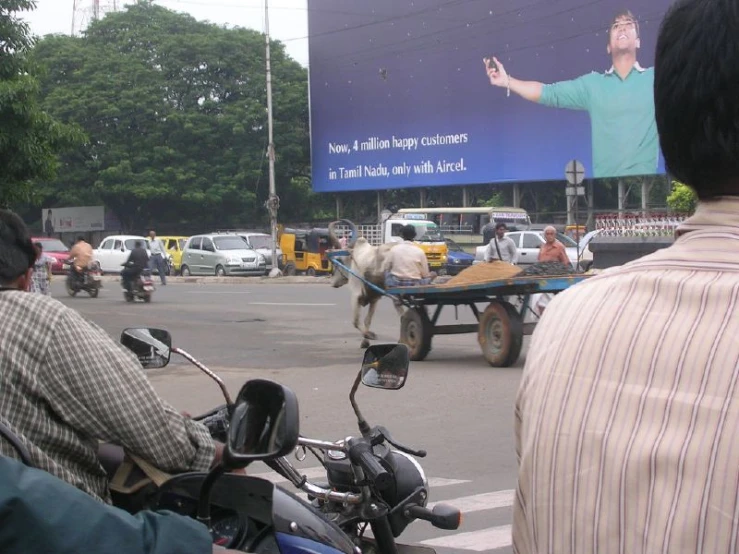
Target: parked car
<point>174,246</point>
<point>262,243</point>
<point>221,254</point>
<point>457,259</point>
<point>54,248</point>
<point>114,251</point>
<point>528,244</point>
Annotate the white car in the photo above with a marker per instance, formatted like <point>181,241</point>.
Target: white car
<point>114,251</point>
<point>528,244</point>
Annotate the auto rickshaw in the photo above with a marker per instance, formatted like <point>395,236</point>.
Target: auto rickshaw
<point>305,251</point>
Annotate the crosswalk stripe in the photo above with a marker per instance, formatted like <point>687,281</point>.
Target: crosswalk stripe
<point>477,541</point>
<point>318,473</point>
<point>480,502</point>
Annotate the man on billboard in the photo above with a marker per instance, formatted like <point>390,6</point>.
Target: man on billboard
<point>620,103</point>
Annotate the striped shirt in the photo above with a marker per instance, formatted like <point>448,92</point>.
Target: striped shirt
<point>627,417</point>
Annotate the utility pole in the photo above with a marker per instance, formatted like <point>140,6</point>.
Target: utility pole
<point>86,11</point>
<point>273,203</point>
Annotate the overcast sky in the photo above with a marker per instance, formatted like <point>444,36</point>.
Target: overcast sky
<point>288,18</point>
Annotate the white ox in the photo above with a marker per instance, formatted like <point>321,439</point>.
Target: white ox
<point>366,261</point>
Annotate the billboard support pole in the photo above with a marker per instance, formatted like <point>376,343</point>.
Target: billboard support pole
<point>274,202</point>
<point>646,188</point>
<point>465,197</point>
<point>422,198</point>
<point>516,195</point>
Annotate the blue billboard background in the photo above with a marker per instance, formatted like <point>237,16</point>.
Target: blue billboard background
<point>400,97</point>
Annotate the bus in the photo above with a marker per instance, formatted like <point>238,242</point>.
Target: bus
<point>464,225</point>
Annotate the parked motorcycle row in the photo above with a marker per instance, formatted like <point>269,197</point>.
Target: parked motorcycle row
<point>373,483</point>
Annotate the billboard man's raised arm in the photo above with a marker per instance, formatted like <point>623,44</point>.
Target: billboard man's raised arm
<point>530,90</point>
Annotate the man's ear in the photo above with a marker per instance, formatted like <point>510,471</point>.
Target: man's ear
<point>638,43</point>
<point>608,49</point>
<point>24,281</point>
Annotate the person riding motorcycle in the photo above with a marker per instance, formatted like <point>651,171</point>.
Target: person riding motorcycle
<point>81,256</point>
<point>44,514</point>
<point>67,385</point>
<point>138,261</point>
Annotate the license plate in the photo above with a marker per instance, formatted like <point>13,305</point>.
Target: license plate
<point>96,277</point>
<point>148,288</point>
<point>65,267</point>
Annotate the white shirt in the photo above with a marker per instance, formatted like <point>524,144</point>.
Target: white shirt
<point>156,247</point>
<point>508,250</point>
<point>407,261</point>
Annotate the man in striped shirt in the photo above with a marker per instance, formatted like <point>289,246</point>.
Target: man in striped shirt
<point>627,425</point>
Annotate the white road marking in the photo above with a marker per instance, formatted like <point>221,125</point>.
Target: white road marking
<point>477,541</point>
<point>318,473</point>
<point>287,304</point>
<point>480,502</point>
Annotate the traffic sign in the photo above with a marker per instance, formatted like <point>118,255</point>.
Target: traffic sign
<point>574,172</point>
<point>575,191</point>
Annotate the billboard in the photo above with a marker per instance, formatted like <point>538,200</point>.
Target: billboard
<point>72,220</point>
<point>408,93</point>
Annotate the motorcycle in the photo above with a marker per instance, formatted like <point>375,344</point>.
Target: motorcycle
<point>89,280</point>
<point>141,289</point>
<point>372,481</point>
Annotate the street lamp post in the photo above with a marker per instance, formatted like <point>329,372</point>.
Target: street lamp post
<point>273,203</point>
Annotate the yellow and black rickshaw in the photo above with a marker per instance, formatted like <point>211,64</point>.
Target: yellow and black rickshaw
<point>305,251</point>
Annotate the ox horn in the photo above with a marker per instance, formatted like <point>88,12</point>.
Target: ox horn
<point>332,234</point>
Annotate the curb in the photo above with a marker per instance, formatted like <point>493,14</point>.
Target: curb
<point>295,280</point>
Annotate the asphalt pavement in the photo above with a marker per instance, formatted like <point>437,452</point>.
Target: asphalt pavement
<point>454,404</point>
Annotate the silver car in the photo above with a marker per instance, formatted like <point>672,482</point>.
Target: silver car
<point>262,243</point>
<point>220,254</point>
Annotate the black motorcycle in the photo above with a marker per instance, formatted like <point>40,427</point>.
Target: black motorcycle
<point>141,288</point>
<point>372,481</point>
<point>88,280</point>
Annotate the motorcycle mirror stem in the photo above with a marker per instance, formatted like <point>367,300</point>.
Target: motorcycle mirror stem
<point>364,427</point>
<point>202,367</point>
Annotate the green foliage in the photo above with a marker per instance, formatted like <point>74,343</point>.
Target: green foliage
<point>682,199</point>
<point>29,138</point>
<point>175,110</point>
<point>497,199</point>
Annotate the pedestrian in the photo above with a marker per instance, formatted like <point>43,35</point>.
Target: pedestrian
<point>41,277</point>
<point>157,259</point>
<point>501,247</point>
<point>552,250</point>
<point>627,415</point>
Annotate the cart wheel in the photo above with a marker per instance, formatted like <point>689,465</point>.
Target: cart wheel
<point>416,332</point>
<point>500,334</point>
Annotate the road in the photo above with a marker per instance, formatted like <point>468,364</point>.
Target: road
<point>454,405</point>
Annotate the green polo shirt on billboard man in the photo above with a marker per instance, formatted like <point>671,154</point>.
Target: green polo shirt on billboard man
<point>620,103</point>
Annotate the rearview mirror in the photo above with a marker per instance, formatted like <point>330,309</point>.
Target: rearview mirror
<point>151,346</point>
<point>385,366</point>
<point>264,424</point>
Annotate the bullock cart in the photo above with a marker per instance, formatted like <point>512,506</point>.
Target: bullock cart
<point>500,326</point>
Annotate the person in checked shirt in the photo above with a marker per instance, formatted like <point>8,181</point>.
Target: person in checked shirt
<point>65,385</point>
<point>627,415</point>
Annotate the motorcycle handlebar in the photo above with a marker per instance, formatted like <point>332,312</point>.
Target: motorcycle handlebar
<point>362,455</point>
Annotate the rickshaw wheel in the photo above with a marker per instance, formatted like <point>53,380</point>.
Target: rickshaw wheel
<point>290,270</point>
<point>310,272</point>
<point>416,332</point>
<point>500,334</point>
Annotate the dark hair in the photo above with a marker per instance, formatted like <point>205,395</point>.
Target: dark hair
<point>17,253</point>
<point>408,232</point>
<point>696,86</point>
<point>500,225</point>
<point>38,246</point>
<point>621,14</point>
<point>138,244</point>
<point>80,238</point>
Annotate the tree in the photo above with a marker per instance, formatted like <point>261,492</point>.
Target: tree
<point>176,114</point>
<point>682,199</point>
<point>29,138</point>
